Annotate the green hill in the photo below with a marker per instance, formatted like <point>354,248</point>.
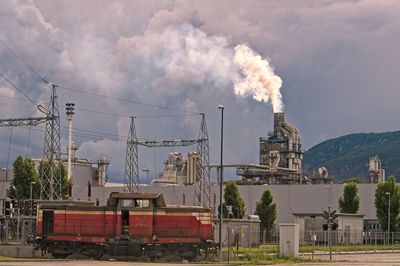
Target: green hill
<point>347,156</point>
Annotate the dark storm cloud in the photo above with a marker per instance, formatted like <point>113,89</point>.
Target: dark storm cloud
<point>338,61</point>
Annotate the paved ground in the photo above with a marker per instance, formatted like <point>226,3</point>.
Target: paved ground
<point>357,259</point>
<point>86,263</point>
<point>384,259</point>
<point>91,263</point>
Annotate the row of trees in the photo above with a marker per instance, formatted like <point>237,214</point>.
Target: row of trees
<point>26,175</point>
<point>387,202</point>
<point>266,208</point>
<point>349,202</point>
<point>387,194</point>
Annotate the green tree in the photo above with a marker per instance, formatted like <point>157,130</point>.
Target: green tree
<point>232,198</point>
<point>60,176</point>
<point>25,174</point>
<point>357,180</point>
<point>382,193</point>
<point>350,201</point>
<point>266,210</point>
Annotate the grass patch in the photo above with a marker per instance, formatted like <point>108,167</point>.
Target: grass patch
<point>268,254</point>
<point>262,259</point>
<point>260,250</point>
<point>348,248</point>
<point>273,249</point>
<point>3,258</point>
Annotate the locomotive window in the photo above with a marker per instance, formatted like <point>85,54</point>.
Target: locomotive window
<point>137,203</point>
<point>142,203</point>
<point>126,203</point>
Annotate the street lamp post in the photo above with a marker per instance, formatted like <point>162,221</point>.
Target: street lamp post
<point>388,227</point>
<point>221,179</point>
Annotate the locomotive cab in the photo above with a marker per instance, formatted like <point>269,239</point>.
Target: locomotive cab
<point>135,212</point>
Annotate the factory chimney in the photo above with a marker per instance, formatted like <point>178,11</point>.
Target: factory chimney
<point>279,119</point>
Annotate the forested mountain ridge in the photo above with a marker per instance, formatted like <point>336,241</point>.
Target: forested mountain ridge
<point>347,156</point>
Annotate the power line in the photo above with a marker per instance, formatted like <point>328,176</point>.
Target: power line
<point>91,134</point>
<point>13,98</point>
<point>26,64</point>
<point>95,132</point>
<point>41,78</point>
<point>102,112</point>
<point>136,116</point>
<point>87,134</point>
<point>26,96</point>
<point>117,114</point>
<point>126,100</point>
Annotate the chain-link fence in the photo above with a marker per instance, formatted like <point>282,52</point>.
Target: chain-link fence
<point>17,229</point>
<point>338,237</point>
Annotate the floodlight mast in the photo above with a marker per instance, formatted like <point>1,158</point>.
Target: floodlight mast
<point>70,112</point>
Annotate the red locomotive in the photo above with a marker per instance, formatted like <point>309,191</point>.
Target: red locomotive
<point>131,224</point>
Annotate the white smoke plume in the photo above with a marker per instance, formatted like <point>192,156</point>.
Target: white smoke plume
<point>182,57</point>
<point>259,78</point>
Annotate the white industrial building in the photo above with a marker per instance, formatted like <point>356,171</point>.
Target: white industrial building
<point>288,198</point>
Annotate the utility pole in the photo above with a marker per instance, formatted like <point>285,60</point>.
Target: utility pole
<point>221,181</point>
<point>388,227</point>
<point>329,233</point>
<point>330,224</point>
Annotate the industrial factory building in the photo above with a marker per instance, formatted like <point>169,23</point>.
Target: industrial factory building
<point>280,159</point>
<point>281,151</point>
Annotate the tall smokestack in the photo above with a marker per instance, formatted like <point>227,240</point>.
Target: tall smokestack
<point>279,119</point>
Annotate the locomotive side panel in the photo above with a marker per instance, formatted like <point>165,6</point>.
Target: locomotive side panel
<point>89,225</point>
<point>88,222</point>
<point>206,225</point>
<point>186,225</point>
<point>141,225</point>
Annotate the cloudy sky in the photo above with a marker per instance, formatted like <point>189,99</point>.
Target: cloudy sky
<point>338,61</point>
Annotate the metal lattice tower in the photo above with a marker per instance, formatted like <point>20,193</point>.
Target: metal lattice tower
<point>52,181</point>
<point>202,183</point>
<point>131,160</point>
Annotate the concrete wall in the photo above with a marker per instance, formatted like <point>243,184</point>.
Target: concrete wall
<point>22,251</point>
